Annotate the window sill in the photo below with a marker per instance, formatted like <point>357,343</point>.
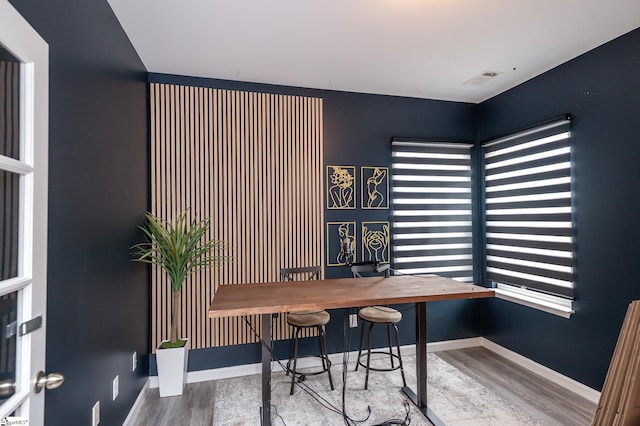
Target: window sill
<point>533,302</point>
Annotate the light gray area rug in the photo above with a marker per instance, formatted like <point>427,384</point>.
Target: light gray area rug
<point>454,397</point>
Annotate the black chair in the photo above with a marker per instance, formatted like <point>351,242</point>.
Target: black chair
<point>373,315</point>
<point>303,320</point>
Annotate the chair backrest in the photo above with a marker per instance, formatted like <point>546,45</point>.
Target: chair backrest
<point>370,268</point>
<point>304,273</point>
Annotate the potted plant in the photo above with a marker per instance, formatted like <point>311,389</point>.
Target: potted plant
<point>179,248</point>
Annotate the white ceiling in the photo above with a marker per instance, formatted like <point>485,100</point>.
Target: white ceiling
<point>415,48</point>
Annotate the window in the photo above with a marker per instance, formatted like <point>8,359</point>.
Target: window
<point>431,196</point>
<point>529,227</point>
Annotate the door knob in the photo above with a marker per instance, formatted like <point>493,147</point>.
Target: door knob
<point>7,387</point>
<point>50,381</point>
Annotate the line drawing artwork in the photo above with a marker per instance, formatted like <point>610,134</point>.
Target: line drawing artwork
<point>341,184</point>
<point>375,192</point>
<point>341,244</point>
<point>347,245</point>
<point>375,241</point>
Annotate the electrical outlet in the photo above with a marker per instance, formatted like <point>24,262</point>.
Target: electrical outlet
<point>116,387</point>
<point>134,362</point>
<point>353,320</point>
<point>95,414</point>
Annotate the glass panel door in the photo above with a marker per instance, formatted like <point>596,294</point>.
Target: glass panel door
<point>8,347</point>
<point>23,214</point>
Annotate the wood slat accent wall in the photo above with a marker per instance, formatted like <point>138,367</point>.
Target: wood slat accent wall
<point>253,163</point>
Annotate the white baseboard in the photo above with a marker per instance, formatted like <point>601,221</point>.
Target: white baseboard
<point>137,402</point>
<point>549,374</point>
<point>250,369</point>
<point>256,368</point>
<point>449,345</point>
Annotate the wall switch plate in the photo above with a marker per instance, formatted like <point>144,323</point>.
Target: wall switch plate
<point>134,362</point>
<point>116,387</point>
<point>95,414</point>
<point>353,320</point>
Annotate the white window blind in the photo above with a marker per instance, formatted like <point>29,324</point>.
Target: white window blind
<point>431,198</point>
<point>529,228</point>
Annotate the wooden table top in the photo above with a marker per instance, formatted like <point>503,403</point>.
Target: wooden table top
<point>292,296</point>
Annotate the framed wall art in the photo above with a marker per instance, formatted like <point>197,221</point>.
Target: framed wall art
<point>375,187</point>
<point>375,242</point>
<point>341,187</point>
<point>341,243</point>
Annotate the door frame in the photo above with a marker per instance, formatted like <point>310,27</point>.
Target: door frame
<point>17,36</point>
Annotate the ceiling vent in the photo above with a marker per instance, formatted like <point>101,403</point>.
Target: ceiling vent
<point>482,78</point>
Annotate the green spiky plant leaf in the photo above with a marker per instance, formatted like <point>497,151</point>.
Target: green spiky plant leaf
<point>180,249</point>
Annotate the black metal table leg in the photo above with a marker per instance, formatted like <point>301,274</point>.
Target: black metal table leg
<point>265,410</point>
<point>419,398</point>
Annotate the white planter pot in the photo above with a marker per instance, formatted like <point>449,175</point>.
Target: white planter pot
<point>172,369</point>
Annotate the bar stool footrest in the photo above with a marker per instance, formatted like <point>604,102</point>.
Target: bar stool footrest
<point>313,373</point>
<point>364,365</point>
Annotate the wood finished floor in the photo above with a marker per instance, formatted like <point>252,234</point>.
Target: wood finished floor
<point>548,403</point>
<point>542,399</point>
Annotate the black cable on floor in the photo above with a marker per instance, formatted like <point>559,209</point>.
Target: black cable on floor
<point>319,398</point>
<point>345,361</point>
<point>402,422</point>
<point>275,410</point>
<point>311,392</point>
<point>346,338</point>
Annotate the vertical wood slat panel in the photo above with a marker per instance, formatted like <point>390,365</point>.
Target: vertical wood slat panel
<point>253,163</point>
<point>155,97</point>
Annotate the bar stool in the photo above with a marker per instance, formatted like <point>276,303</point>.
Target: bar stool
<point>304,320</point>
<point>378,315</point>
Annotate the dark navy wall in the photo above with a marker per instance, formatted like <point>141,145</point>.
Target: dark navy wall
<point>602,90</point>
<point>98,300</point>
<point>357,131</point>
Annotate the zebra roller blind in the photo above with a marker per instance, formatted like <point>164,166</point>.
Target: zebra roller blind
<point>529,233</point>
<point>431,196</point>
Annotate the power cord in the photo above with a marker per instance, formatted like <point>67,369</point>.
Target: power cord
<point>311,392</point>
<point>275,410</point>
<point>346,338</point>
<point>395,271</point>
<point>319,398</point>
<point>345,361</point>
<point>403,422</point>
